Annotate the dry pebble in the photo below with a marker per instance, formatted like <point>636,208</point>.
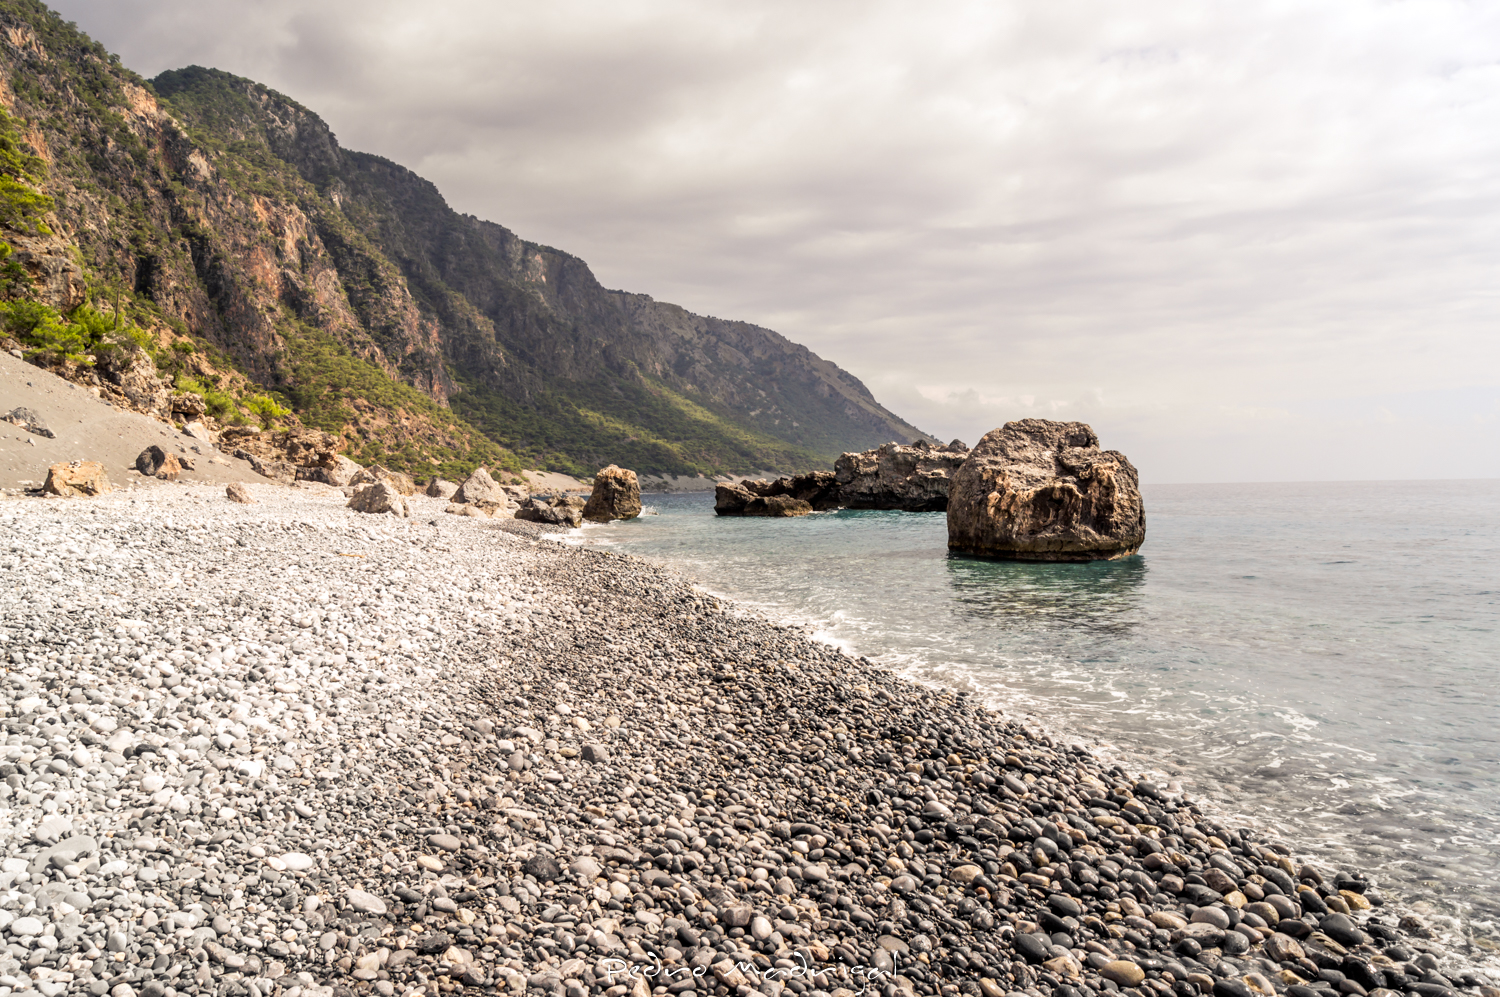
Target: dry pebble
<point>287,748</point>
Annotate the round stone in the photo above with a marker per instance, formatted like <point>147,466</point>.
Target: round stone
<point>1123,972</point>
<point>297,861</point>
<point>1215,916</point>
<point>965,874</point>
<point>446,842</point>
<point>365,903</point>
<point>23,926</point>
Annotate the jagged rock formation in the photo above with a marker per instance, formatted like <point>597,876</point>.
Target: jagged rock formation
<point>1039,490</point>
<point>911,478</point>
<point>616,495</point>
<point>263,256</point>
<point>792,496</point>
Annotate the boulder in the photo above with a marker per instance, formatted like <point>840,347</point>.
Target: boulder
<point>438,488</point>
<point>565,510</point>
<point>77,478</point>
<point>154,462</point>
<point>338,471</point>
<point>28,420</point>
<point>475,511</point>
<point>381,496</point>
<point>1039,490</point>
<point>377,474</point>
<point>912,478</point>
<point>616,495</point>
<point>479,489</point>
<point>237,492</point>
<point>793,496</point>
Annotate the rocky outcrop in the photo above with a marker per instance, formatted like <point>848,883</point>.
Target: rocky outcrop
<point>288,455</point>
<point>134,382</point>
<point>77,478</point>
<point>564,510</point>
<point>912,478</point>
<point>1039,490</point>
<point>792,496</point>
<point>616,495</point>
<point>379,497</point>
<point>278,471</point>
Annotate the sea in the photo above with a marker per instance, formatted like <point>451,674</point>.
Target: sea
<point>1320,660</point>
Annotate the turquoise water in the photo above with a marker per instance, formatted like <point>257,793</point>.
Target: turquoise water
<point>1321,657</point>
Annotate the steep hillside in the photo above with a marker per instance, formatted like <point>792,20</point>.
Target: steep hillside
<point>267,266</point>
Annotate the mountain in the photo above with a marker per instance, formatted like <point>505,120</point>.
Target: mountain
<point>219,229</point>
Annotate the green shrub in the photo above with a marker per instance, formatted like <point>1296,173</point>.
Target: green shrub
<point>264,408</point>
<point>21,205</point>
<point>78,337</point>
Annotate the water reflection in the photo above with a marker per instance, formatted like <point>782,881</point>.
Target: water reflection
<point>1101,598</point>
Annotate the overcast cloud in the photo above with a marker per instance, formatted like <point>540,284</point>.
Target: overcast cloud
<point>1246,241</point>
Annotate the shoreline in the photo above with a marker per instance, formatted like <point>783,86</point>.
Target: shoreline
<point>512,761</point>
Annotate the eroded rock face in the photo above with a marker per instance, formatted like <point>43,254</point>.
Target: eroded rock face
<point>1039,490</point>
<point>77,478</point>
<point>616,495</point>
<point>912,478</point>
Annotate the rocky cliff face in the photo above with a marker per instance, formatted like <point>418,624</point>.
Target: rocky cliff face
<point>227,219</point>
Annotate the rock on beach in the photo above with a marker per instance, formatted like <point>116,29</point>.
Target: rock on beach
<point>291,750</point>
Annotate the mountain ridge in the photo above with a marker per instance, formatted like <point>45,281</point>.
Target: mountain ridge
<point>262,260</point>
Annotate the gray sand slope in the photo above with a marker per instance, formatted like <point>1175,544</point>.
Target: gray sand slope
<point>89,429</point>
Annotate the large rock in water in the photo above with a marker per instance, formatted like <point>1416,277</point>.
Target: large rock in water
<point>912,478</point>
<point>1038,490</point>
<point>794,496</point>
<point>616,495</point>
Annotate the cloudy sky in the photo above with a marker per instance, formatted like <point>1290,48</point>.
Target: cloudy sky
<point>1245,240</point>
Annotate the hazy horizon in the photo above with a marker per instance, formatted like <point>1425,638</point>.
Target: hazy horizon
<point>1247,244</point>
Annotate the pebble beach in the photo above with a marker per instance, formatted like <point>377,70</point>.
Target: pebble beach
<point>290,749</point>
